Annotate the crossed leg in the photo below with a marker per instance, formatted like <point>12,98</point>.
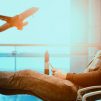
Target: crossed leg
<point>46,87</point>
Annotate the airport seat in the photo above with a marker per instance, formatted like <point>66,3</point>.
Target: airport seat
<point>93,92</point>
<point>93,96</point>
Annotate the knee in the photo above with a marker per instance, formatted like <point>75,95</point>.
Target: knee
<point>25,72</point>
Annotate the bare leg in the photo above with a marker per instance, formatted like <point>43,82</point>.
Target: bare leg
<point>46,87</point>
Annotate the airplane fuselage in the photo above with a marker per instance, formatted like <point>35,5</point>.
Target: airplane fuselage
<point>15,21</point>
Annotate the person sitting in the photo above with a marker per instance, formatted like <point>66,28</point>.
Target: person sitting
<point>58,87</point>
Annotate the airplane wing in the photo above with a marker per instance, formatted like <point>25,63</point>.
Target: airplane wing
<point>27,13</point>
<point>5,27</point>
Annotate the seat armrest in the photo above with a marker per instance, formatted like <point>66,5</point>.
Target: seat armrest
<point>83,91</point>
<point>92,96</point>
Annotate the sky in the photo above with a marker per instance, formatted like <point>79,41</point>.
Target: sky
<point>49,25</point>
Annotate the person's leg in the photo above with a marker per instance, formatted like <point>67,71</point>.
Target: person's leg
<point>46,87</point>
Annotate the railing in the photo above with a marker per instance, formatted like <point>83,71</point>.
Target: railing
<point>72,46</point>
<point>16,54</point>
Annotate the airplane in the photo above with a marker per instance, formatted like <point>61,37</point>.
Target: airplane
<point>18,20</point>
